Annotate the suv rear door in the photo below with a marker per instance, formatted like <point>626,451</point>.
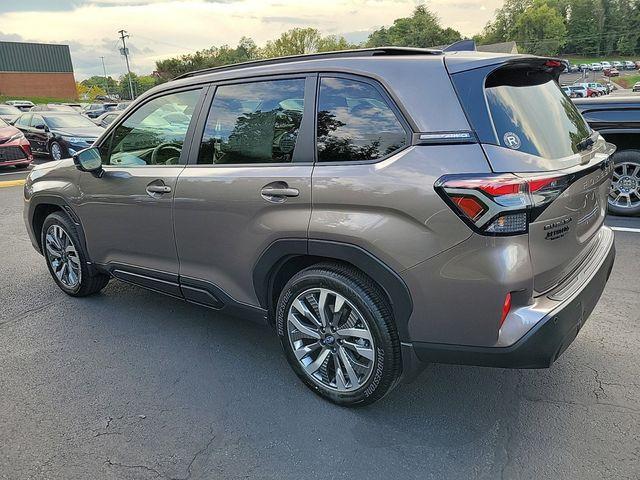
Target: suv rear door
<point>247,184</point>
<point>529,128</point>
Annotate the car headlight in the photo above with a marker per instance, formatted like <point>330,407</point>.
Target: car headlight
<point>17,136</point>
<point>75,140</point>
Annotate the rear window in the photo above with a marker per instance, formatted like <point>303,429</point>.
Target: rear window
<point>530,114</point>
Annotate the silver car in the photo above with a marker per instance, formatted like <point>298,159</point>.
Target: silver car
<point>378,209</point>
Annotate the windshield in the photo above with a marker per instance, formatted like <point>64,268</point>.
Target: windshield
<point>9,110</point>
<point>68,121</point>
<point>530,114</point>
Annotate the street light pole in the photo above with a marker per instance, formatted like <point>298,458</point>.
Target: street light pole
<point>106,80</point>
<point>125,52</point>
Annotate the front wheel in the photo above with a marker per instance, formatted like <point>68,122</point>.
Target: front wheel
<point>624,196</point>
<point>338,334</point>
<point>55,150</point>
<point>67,260</point>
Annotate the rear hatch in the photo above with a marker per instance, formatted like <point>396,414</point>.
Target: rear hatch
<point>529,128</point>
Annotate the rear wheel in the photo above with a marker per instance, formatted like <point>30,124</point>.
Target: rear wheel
<point>338,334</point>
<point>66,258</point>
<point>624,196</point>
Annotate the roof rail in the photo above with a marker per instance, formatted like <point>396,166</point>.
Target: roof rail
<point>362,52</point>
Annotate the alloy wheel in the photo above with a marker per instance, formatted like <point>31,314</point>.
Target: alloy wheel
<point>63,256</point>
<point>56,151</point>
<point>331,340</point>
<point>625,186</point>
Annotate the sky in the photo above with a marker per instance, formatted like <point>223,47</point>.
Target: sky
<point>164,28</point>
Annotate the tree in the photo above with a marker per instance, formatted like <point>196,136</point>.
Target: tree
<point>89,93</point>
<point>540,29</point>
<point>421,29</point>
<point>99,81</point>
<point>300,41</point>
<point>502,28</point>
<point>212,57</point>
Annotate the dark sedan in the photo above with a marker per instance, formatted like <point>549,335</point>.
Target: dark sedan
<point>618,121</point>
<point>57,134</point>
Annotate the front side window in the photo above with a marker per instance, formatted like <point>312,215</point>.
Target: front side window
<point>355,122</point>
<point>254,122</point>
<point>154,134</point>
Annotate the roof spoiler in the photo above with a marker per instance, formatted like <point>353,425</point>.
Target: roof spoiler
<point>461,46</point>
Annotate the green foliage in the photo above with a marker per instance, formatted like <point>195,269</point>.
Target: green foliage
<point>422,29</point>
<point>540,29</point>
<point>591,27</point>
<point>140,85</point>
<point>212,57</point>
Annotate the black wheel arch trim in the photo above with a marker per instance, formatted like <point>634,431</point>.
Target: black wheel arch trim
<point>280,251</point>
<point>58,201</point>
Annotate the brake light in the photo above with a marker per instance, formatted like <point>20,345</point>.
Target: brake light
<point>499,204</point>
<point>553,63</point>
<point>506,307</point>
<point>471,206</point>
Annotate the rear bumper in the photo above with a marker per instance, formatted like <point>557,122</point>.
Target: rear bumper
<point>540,346</point>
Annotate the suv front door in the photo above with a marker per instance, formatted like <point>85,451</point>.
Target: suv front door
<point>127,212</point>
<point>248,183</point>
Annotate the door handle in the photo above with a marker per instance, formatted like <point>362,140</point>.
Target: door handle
<point>280,192</point>
<point>277,192</point>
<point>158,188</point>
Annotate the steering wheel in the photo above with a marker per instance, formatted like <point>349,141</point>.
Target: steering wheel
<point>164,146</point>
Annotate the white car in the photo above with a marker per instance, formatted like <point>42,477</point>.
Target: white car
<point>596,67</point>
<point>628,65</point>
<point>617,65</point>
<point>605,65</point>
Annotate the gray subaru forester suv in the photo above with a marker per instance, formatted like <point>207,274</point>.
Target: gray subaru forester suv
<point>380,209</point>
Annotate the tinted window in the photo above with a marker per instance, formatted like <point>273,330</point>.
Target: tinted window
<point>23,121</point>
<point>64,120</point>
<point>533,116</point>
<point>355,122</point>
<point>37,120</point>
<point>154,134</point>
<point>253,123</point>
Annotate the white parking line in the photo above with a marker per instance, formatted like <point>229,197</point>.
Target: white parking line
<point>626,229</point>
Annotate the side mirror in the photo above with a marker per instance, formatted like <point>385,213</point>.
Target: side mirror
<point>41,126</point>
<point>88,160</point>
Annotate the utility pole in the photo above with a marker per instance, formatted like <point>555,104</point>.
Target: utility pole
<point>125,52</point>
<point>106,80</point>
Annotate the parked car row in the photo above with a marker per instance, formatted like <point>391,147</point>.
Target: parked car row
<point>584,90</point>
<point>602,66</point>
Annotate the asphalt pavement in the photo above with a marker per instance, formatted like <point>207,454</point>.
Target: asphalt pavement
<point>130,384</point>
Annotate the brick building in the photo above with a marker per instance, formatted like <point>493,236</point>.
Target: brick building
<point>36,70</point>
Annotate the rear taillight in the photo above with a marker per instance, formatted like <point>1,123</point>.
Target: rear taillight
<point>501,204</point>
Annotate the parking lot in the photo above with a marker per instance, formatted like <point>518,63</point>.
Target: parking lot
<point>130,384</point>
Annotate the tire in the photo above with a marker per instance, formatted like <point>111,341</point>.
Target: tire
<point>86,283</point>
<point>56,151</point>
<point>626,182</point>
<point>344,377</point>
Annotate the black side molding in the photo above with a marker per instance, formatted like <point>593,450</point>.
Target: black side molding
<point>274,257</point>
